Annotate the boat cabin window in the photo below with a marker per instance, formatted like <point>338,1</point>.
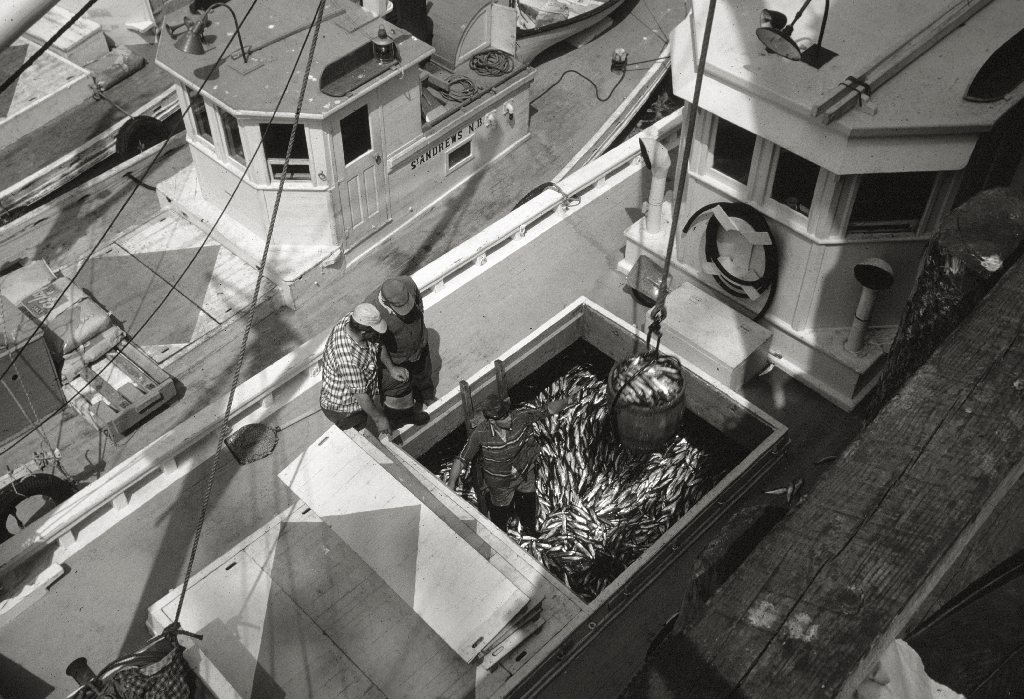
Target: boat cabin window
<point>891,202</point>
<point>460,155</point>
<point>733,151</point>
<point>275,146</point>
<point>232,137</point>
<point>200,116</point>
<point>794,182</point>
<point>355,134</point>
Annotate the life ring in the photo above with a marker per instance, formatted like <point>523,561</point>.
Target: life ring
<point>138,134</point>
<point>755,276</point>
<point>57,490</point>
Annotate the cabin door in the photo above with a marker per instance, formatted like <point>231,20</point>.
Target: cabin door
<point>361,192</point>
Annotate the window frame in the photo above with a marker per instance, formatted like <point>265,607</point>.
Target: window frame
<point>308,161</point>
<point>466,143</point>
<point>849,186</point>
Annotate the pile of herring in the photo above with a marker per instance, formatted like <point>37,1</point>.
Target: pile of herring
<point>600,506</point>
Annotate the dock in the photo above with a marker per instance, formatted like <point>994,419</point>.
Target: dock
<point>924,502</point>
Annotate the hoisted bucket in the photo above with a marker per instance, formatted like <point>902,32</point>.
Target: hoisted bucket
<point>646,401</point>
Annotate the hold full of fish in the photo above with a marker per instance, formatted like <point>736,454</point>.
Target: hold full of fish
<point>600,506</point>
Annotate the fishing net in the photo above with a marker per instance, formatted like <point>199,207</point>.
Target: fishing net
<point>600,506</point>
<point>252,442</point>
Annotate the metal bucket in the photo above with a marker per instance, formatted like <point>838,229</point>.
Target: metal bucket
<point>643,427</point>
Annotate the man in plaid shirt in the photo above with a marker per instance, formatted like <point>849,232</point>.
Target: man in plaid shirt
<point>350,389</point>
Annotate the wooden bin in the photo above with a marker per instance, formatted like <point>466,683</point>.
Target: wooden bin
<point>587,655</point>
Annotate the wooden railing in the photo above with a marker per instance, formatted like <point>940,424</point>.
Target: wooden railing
<point>129,484</point>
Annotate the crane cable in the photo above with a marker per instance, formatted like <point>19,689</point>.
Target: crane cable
<point>658,311</point>
<point>225,429</point>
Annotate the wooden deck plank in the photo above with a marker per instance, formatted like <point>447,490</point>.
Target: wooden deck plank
<point>161,247</point>
<point>806,616</point>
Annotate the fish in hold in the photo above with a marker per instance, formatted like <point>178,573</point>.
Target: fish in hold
<point>600,506</point>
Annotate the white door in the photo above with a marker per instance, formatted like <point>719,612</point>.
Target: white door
<point>361,192</point>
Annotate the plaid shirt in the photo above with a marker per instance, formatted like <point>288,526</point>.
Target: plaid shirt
<point>504,457</point>
<point>348,369</point>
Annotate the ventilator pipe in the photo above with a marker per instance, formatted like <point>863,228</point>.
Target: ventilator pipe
<point>874,275</point>
<point>659,162</point>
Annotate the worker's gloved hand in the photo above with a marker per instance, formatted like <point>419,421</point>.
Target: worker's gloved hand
<point>383,426</point>
<point>399,373</point>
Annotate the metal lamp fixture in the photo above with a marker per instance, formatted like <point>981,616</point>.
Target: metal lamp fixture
<point>191,42</point>
<point>776,35</point>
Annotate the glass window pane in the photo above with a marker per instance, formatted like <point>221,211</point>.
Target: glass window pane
<point>460,154</point>
<point>734,150</point>
<point>201,118</point>
<point>232,137</point>
<point>795,179</point>
<point>275,146</point>
<point>891,202</point>
<point>355,134</point>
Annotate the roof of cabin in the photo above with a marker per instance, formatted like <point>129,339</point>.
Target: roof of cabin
<point>918,57</point>
<point>254,86</point>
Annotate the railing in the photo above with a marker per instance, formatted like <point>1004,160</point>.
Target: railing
<point>131,483</point>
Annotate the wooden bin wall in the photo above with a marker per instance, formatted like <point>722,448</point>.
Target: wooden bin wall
<point>651,588</point>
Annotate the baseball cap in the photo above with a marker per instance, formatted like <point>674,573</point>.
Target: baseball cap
<point>396,294</point>
<point>368,315</point>
<point>494,408</point>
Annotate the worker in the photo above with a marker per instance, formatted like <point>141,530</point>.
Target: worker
<point>401,306</point>
<point>508,453</point>
<point>350,390</point>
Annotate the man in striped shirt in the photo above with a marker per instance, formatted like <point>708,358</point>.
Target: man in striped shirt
<point>350,389</point>
<point>507,451</point>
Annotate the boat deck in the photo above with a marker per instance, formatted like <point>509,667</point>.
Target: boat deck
<point>146,548</point>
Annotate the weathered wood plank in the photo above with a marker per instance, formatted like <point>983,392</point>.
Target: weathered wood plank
<point>808,612</point>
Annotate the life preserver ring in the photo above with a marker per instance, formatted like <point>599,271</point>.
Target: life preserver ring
<point>750,276</point>
<point>38,484</point>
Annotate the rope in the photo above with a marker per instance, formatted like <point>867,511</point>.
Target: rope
<point>46,45</point>
<point>138,182</point>
<point>458,88</point>
<point>597,92</point>
<point>492,63</point>
<point>658,312</point>
<point>225,430</point>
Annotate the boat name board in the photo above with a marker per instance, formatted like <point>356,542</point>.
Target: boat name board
<point>442,146</point>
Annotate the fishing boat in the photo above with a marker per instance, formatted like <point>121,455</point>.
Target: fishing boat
<point>790,270</point>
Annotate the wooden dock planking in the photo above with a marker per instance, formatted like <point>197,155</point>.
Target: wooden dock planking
<point>808,613</point>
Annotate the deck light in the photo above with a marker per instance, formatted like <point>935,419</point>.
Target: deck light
<point>383,46</point>
<point>777,37</point>
<point>191,42</point>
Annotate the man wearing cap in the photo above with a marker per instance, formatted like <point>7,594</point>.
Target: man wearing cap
<point>401,307</point>
<point>350,393</point>
<point>507,450</point>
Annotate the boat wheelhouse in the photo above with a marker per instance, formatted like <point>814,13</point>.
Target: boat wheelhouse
<point>389,124</point>
<point>838,157</point>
